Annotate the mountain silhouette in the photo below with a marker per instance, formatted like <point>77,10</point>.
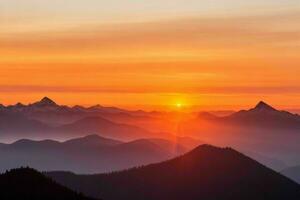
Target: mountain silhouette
<point>264,106</point>
<point>26,183</point>
<point>206,172</point>
<point>264,130</point>
<point>53,121</point>
<point>89,154</point>
<point>261,116</point>
<point>45,102</point>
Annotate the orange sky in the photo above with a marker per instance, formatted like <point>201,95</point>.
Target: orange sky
<point>214,60</point>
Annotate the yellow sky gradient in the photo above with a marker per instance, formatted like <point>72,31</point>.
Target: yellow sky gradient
<point>209,61</point>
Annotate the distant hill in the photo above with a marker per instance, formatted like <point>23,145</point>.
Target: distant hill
<point>206,172</point>
<point>28,184</point>
<point>293,173</point>
<point>89,154</point>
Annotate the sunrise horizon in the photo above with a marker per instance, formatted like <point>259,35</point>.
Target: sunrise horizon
<point>172,106</point>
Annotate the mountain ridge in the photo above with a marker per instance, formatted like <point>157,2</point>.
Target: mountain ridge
<point>52,120</point>
<point>262,116</point>
<point>88,154</point>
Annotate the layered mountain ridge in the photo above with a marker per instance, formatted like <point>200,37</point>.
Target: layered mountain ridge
<point>89,154</point>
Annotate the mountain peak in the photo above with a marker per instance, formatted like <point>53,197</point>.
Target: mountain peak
<point>46,102</point>
<point>47,99</point>
<point>263,106</point>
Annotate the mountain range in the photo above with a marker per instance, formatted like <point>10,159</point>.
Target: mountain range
<point>101,154</point>
<point>262,130</point>
<point>90,154</point>
<point>243,130</point>
<point>48,112</point>
<point>46,119</point>
<point>261,116</point>
<point>206,172</point>
<point>120,160</point>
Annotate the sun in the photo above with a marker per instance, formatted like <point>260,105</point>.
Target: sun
<point>179,105</point>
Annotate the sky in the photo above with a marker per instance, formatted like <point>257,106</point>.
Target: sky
<point>209,54</point>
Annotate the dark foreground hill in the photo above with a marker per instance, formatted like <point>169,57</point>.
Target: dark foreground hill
<point>28,184</point>
<point>207,172</point>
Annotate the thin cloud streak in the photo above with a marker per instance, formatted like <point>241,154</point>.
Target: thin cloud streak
<point>183,90</point>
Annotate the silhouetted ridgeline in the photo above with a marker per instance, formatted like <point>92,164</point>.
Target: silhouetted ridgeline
<point>207,172</point>
<point>28,184</point>
<point>53,120</point>
<point>261,116</point>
